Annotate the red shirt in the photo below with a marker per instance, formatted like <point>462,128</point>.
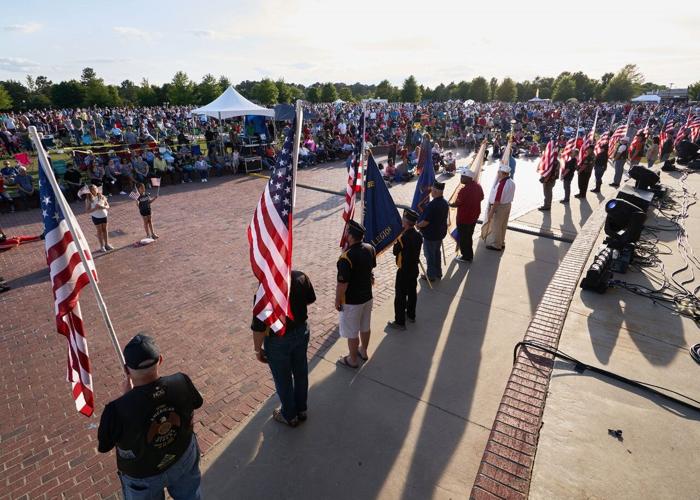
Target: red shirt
<point>469,203</point>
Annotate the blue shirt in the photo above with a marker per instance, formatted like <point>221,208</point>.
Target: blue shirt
<point>436,214</point>
<point>9,171</point>
<point>25,182</point>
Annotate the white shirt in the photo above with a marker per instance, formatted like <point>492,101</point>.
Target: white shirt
<point>342,128</point>
<point>508,192</point>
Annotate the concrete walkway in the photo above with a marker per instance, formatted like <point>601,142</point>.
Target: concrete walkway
<point>633,337</point>
<point>413,421</point>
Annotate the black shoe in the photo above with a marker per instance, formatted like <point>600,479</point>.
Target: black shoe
<point>411,320</point>
<point>612,184</point>
<point>462,259</point>
<point>302,416</point>
<point>396,326</point>
<point>489,247</point>
<point>596,190</point>
<point>579,195</point>
<point>564,202</point>
<point>424,277</point>
<point>544,209</point>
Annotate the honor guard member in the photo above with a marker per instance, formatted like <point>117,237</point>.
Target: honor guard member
<point>433,225</point>
<point>407,252</point>
<point>353,294</point>
<point>151,427</point>
<point>500,201</point>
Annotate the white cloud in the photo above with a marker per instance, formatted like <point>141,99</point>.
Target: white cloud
<point>17,65</point>
<point>135,33</point>
<point>212,34</point>
<point>22,28</point>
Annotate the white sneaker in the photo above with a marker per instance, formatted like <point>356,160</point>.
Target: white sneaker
<point>122,192</point>
<point>101,249</point>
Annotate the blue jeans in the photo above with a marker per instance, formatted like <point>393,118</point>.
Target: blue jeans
<point>431,250</point>
<point>182,480</point>
<point>619,170</point>
<point>286,356</point>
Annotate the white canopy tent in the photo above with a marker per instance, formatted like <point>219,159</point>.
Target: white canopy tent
<point>231,104</point>
<point>647,98</point>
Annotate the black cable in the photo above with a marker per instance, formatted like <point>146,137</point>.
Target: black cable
<point>580,367</point>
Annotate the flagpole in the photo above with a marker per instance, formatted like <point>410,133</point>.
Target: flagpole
<point>361,166</point>
<point>63,204</point>
<point>295,150</point>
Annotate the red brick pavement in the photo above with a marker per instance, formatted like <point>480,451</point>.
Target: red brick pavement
<point>192,290</point>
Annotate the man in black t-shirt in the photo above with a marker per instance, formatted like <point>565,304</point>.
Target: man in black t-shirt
<point>151,428</point>
<point>286,354</point>
<point>353,293</point>
<point>433,225</point>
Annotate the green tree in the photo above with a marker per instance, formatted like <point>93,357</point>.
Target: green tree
<point>208,89</point>
<point>493,86</point>
<point>462,91</point>
<point>265,92</point>
<point>313,95</point>
<point>328,92</point>
<point>385,90</point>
<point>694,91</point>
<point>246,88</point>
<point>128,92</point>
<point>479,90</point>
<point>181,89</point>
<point>43,85</point>
<point>18,93</point>
<point>624,85</point>
<point>284,92</point>
<point>68,94</point>
<point>295,92</point>
<point>507,91</point>
<point>410,92</point>
<point>564,88</point>
<point>97,94</point>
<point>526,90</point>
<point>146,94</point>
<point>585,87</point>
<point>87,76</point>
<point>5,99</point>
<point>544,85</point>
<point>345,94</point>
<point>605,79</point>
<point>38,101</point>
<point>440,93</point>
<point>224,82</point>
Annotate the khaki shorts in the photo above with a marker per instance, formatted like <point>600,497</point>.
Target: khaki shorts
<point>355,318</point>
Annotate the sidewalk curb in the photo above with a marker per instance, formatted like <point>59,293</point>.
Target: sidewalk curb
<point>508,460</point>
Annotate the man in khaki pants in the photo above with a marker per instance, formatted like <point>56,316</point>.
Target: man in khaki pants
<point>500,200</point>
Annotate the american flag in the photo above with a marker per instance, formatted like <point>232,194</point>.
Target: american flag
<point>568,148</point>
<point>270,239</point>
<point>583,152</point>
<point>354,181</point>
<point>68,277</point>
<point>694,127</point>
<point>601,142</point>
<point>666,129</point>
<point>134,195</point>
<point>619,133</point>
<point>683,131</point>
<point>548,161</point>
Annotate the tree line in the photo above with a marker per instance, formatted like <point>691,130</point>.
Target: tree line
<point>90,90</point>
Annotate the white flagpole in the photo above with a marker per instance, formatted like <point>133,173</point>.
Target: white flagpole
<point>295,150</point>
<point>68,217</point>
<point>361,166</point>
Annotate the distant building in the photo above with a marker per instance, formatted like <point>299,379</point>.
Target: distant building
<point>675,95</point>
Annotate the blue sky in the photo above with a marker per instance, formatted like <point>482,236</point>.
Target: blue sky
<point>359,40</point>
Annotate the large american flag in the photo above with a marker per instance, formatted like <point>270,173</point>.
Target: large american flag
<point>601,142</point>
<point>568,148</point>
<point>683,131</point>
<point>694,127</point>
<point>583,152</point>
<point>68,277</point>
<point>354,181</point>
<point>270,239</point>
<point>666,129</point>
<point>548,161</point>
<point>619,133</point>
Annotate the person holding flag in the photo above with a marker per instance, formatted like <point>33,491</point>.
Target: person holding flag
<point>549,172</point>
<point>433,225</point>
<point>468,204</point>
<point>585,169</point>
<point>600,163</point>
<point>407,251</point>
<point>144,201</point>
<point>619,159</point>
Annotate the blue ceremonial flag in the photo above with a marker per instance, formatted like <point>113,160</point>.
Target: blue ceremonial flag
<point>421,197</point>
<point>382,220</point>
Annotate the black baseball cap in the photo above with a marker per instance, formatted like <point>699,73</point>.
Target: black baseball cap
<point>356,229</point>
<point>410,215</point>
<point>141,352</point>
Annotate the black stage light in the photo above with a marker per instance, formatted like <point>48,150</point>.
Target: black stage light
<point>624,223</point>
<point>599,274</point>
<point>644,177</point>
